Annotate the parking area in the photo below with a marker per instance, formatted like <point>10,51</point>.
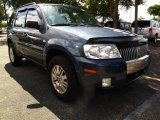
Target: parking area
<point>25,94</point>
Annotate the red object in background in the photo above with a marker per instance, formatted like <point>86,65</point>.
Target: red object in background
<point>150,30</point>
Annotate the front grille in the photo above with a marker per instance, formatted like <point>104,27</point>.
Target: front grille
<point>133,52</point>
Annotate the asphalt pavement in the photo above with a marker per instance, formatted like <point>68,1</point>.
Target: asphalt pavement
<point>25,94</point>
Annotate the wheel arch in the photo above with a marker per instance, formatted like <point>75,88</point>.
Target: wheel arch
<point>58,50</point>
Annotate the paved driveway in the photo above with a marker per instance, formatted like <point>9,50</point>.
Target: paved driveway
<point>25,94</point>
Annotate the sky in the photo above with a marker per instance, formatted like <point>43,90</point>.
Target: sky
<point>129,15</point>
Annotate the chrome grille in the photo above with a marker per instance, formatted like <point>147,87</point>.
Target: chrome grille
<point>133,52</point>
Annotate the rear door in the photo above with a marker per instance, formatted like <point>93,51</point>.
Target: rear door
<point>18,30</point>
<point>155,28</point>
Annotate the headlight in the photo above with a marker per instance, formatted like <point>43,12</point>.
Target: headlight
<point>101,51</point>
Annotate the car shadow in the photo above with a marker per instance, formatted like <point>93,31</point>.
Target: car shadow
<point>103,104</point>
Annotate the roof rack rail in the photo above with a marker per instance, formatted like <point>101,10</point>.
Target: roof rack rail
<point>32,3</point>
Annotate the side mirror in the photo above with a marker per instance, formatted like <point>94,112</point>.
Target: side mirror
<point>33,24</point>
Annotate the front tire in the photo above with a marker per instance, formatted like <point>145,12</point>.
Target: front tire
<point>63,78</point>
<point>14,58</point>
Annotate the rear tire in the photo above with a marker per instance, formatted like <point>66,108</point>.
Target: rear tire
<point>14,58</point>
<point>155,38</point>
<point>63,78</point>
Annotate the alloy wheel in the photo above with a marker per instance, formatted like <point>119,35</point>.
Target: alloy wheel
<point>59,79</point>
<point>11,54</point>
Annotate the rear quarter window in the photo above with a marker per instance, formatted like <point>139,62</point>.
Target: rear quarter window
<point>11,21</point>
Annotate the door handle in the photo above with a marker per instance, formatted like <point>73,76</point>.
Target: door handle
<point>25,34</point>
<point>13,32</point>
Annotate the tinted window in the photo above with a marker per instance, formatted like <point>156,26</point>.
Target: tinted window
<point>20,19</point>
<point>32,16</point>
<point>142,24</point>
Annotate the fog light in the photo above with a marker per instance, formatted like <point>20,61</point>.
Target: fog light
<point>106,82</point>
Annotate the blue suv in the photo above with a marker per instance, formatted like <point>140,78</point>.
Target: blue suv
<point>74,48</point>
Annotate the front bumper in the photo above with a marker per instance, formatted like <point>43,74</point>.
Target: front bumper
<point>136,65</point>
<point>120,71</point>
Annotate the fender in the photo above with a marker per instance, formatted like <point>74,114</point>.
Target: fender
<point>62,45</point>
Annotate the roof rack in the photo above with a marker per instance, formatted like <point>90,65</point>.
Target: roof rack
<point>32,3</point>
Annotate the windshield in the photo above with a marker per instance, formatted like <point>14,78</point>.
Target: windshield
<point>65,15</point>
<point>142,24</point>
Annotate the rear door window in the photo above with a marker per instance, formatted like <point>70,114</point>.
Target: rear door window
<point>142,24</point>
<point>20,19</point>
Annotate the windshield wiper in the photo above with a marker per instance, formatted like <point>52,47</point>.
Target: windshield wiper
<point>73,24</point>
<point>64,24</point>
<point>86,24</point>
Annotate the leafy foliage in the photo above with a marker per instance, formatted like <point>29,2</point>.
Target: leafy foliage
<point>4,5</point>
<point>154,10</point>
<point>126,3</point>
<point>113,9</point>
<point>2,16</point>
<point>97,7</point>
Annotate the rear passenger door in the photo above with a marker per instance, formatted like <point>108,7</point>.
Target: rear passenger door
<point>18,31</point>
<point>36,38</point>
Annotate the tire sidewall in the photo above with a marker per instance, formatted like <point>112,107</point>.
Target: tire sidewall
<point>70,78</point>
<point>155,39</point>
<point>17,61</point>
<point>9,48</point>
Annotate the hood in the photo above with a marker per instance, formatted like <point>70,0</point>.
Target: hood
<point>93,32</point>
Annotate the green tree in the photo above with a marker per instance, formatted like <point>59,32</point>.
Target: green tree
<point>16,3</point>
<point>113,9</point>
<point>4,5</point>
<point>97,8</point>
<point>107,8</point>
<point>154,10</point>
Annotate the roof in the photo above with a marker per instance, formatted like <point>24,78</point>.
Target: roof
<point>34,5</point>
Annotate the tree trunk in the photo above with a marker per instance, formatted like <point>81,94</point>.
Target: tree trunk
<point>113,9</point>
<point>116,15</point>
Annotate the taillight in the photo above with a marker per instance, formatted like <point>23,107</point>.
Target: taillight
<point>150,30</point>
